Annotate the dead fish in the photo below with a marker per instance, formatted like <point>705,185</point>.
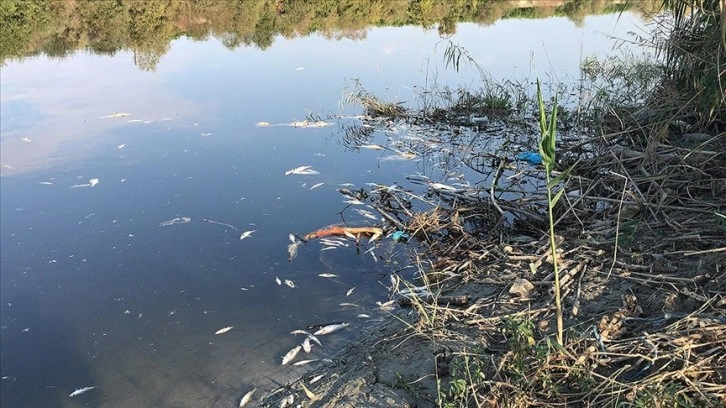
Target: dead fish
<point>290,283</point>
<point>247,234</point>
<point>372,147</point>
<point>303,362</point>
<point>116,115</point>
<point>292,251</point>
<point>287,401</point>
<point>309,393</point>
<point>224,330</point>
<point>263,124</point>
<point>348,293</point>
<point>315,339</point>
<point>80,391</point>
<point>247,398</point>
<point>302,170</point>
<point>327,275</point>
<point>279,282</point>
<point>363,316</point>
<point>314,186</point>
<point>93,182</point>
<point>331,328</point>
<point>291,355</point>
<point>348,305</point>
<point>317,378</point>
<point>300,332</point>
<point>307,347</point>
<point>293,238</point>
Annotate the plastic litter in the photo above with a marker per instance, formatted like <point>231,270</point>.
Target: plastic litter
<point>400,236</point>
<point>530,157</point>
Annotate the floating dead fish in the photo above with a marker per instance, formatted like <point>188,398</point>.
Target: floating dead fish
<point>287,401</point>
<point>177,220</point>
<point>116,115</point>
<point>387,305</point>
<point>309,393</point>
<point>372,147</point>
<point>93,182</point>
<point>328,275</point>
<point>292,251</point>
<point>303,362</point>
<point>315,339</point>
<point>224,330</point>
<point>80,391</point>
<point>308,124</point>
<point>331,328</point>
<point>300,332</point>
<point>317,378</point>
<point>291,355</point>
<point>354,202</point>
<point>289,283</point>
<point>247,398</point>
<point>46,183</point>
<point>316,185</point>
<point>263,124</point>
<point>299,68</point>
<point>302,170</point>
<point>279,282</point>
<point>366,214</point>
<point>121,146</point>
<point>307,347</point>
<point>292,237</point>
<point>363,316</point>
<point>347,304</point>
<point>247,234</point>
<point>350,291</point>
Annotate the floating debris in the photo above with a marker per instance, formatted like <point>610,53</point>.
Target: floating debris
<point>177,220</point>
<point>350,232</point>
<point>247,234</point>
<point>224,330</point>
<point>291,355</point>
<point>80,391</point>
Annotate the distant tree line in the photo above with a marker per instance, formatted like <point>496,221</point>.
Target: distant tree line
<point>57,28</point>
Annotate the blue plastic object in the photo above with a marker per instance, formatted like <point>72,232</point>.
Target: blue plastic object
<point>400,236</point>
<point>530,157</point>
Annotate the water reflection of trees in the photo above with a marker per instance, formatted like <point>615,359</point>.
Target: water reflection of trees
<point>58,28</point>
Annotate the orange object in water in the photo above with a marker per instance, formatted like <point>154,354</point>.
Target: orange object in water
<point>352,232</point>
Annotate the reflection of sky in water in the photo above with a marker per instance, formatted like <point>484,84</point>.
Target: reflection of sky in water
<point>75,260</point>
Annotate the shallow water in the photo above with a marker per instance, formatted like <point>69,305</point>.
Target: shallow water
<point>95,292</point>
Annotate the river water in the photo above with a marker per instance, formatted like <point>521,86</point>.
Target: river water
<point>101,288</point>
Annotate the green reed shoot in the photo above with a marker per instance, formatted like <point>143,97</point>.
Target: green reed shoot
<point>547,151</point>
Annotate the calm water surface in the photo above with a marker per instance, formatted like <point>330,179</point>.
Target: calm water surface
<point>96,293</point>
